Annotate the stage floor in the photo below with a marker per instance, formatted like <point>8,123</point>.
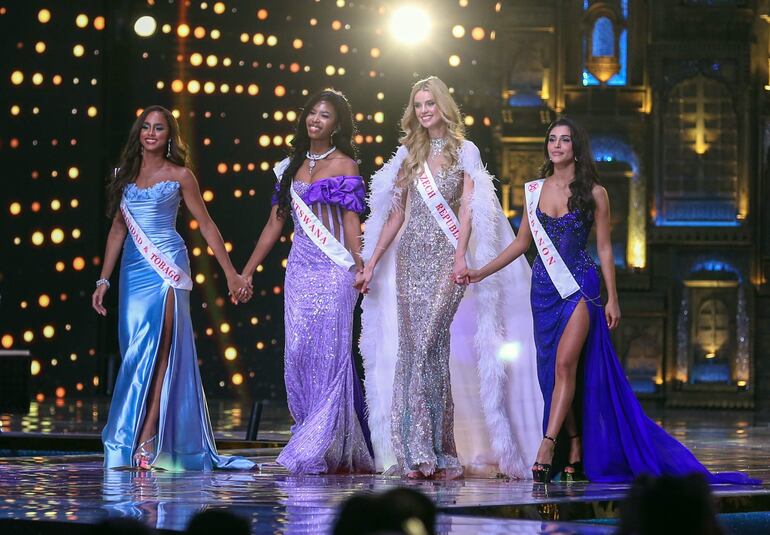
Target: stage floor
<point>75,488</point>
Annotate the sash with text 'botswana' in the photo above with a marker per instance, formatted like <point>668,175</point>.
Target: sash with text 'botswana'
<point>163,265</point>
<point>438,206</point>
<point>557,270</point>
<point>320,235</point>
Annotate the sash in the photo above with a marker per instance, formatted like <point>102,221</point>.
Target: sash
<point>438,206</point>
<point>557,270</point>
<point>320,235</point>
<point>163,265</point>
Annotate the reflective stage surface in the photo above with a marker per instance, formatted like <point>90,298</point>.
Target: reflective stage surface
<point>75,488</point>
<point>229,419</point>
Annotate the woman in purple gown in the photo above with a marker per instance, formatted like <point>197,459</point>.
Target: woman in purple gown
<point>584,387</point>
<point>320,189</point>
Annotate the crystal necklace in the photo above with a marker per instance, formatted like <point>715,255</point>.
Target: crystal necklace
<point>315,157</point>
<point>437,145</point>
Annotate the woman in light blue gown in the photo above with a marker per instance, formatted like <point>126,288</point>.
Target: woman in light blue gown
<point>158,416</point>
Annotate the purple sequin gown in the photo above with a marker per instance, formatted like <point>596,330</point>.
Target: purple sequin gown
<point>619,440</point>
<point>329,434</point>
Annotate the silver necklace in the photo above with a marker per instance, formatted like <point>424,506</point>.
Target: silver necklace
<point>437,145</point>
<point>315,157</point>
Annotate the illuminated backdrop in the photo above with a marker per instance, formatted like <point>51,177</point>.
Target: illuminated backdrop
<point>235,74</point>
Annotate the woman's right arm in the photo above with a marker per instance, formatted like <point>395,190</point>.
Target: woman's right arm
<point>388,234</point>
<point>517,248</point>
<point>115,239</point>
<point>270,234</point>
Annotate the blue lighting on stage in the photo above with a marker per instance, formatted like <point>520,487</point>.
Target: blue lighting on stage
<point>711,372</point>
<point>621,78</point>
<point>698,212</point>
<point>610,149</point>
<point>603,38</point>
<point>589,79</point>
<point>643,385</point>
<point>525,100</point>
<point>715,265</point>
<point>661,222</point>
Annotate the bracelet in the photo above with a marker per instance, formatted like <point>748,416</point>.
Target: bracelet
<point>103,282</point>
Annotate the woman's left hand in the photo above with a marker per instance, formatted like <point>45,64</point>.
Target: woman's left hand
<point>612,314</point>
<point>240,289</point>
<point>460,271</point>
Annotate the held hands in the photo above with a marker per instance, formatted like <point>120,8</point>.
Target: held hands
<point>464,276</point>
<point>460,271</point>
<point>97,298</point>
<point>612,313</point>
<point>240,288</point>
<point>467,276</point>
<point>363,278</point>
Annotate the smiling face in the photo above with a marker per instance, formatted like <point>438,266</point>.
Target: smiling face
<point>321,121</point>
<point>426,109</point>
<point>560,145</point>
<point>154,133</point>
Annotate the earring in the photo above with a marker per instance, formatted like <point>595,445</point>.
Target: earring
<point>168,150</point>
<point>576,159</point>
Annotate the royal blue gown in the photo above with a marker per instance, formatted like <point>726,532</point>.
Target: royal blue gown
<point>185,439</point>
<point>619,441</point>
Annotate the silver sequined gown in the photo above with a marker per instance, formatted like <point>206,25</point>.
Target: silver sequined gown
<point>423,412</point>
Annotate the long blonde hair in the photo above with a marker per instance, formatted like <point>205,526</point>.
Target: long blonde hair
<point>415,138</point>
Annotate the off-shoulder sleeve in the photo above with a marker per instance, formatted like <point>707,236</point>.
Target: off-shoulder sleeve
<point>348,192</point>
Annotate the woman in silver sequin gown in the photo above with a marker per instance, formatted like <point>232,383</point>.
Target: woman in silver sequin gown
<point>422,416</point>
<point>451,381</point>
<point>423,411</point>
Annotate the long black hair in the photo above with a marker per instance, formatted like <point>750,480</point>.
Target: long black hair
<point>586,177</point>
<point>131,156</point>
<point>342,138</point>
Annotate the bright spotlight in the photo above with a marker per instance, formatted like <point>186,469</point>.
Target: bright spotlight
<point>409,24</point>
<point>509,351</point>
<point>145,26</point>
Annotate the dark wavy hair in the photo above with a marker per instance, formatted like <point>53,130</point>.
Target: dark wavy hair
<point>586,177</point>
<point>342,138</point>
<point>131,156</point>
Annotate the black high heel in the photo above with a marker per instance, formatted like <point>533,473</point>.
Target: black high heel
<point>541,472</point>
<point>577,473</point>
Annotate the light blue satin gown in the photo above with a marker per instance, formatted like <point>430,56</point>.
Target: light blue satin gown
<point>185,439</point>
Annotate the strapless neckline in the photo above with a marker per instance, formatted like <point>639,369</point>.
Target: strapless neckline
<point>148,188</point>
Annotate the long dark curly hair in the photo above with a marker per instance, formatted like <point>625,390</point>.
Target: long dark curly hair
<point>586,177</point>
<point>342,138</point>
<point>131,156</point>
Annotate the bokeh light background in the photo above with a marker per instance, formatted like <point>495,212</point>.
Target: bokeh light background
<point>235,74</point>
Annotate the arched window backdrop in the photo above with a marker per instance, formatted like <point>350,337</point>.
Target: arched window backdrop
<point>700,155</point>
<point>605,45</point>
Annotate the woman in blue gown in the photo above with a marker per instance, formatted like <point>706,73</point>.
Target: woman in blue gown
<point>158,415</point>
<point>588,402</point>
